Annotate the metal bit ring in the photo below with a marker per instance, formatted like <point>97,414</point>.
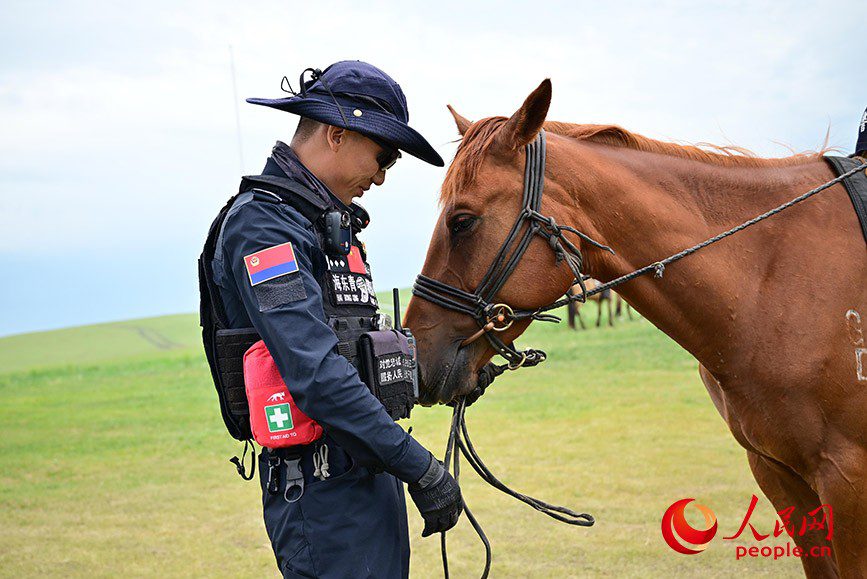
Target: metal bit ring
<point>502,310</point>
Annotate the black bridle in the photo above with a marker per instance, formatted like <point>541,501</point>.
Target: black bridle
<point>494,317</point>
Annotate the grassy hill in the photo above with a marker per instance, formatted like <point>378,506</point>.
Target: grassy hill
<point>144,339</point>
<point>113,460</point>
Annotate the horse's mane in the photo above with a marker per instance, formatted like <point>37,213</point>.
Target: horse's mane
<point>481,135</point>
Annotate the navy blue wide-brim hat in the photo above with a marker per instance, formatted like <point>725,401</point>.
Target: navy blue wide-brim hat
<point>357,96</point>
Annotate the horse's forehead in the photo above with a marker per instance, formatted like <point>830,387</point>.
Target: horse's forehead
<point>491,178</point>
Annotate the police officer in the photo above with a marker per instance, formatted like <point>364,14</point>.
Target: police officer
<point>333,508</point>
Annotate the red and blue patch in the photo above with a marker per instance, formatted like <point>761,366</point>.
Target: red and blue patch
<point>270,263</point>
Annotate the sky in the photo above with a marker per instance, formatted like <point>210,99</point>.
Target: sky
<point>119,141</point>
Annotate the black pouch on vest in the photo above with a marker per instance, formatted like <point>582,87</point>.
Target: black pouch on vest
<point>388,368</point>
<point>230,346</point>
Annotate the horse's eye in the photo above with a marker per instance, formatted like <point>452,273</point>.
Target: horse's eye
<point>462,223</point>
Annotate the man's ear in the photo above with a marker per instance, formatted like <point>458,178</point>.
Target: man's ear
<point>335,136</point>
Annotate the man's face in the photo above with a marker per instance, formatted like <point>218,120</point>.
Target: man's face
<point>355,167</point>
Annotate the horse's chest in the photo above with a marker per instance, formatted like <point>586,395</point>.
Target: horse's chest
<point>759,423</point>
<point>728,409</point>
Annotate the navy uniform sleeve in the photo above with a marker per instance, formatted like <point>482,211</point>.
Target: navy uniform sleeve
<point>288,314</point>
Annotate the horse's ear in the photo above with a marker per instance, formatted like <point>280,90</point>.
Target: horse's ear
<point>525,124</point>
<point>462,123</point>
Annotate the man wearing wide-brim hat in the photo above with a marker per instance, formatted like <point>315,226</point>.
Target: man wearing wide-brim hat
<point>333,507</point>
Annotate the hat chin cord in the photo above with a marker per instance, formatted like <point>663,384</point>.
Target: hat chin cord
<point>315,74</point>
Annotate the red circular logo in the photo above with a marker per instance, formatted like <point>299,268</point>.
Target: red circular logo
<point>678,533</point>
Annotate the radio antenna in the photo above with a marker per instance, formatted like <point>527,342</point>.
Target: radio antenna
<point>237,112</point>
<point>395,297</point>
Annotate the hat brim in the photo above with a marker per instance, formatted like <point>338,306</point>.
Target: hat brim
<point>371,122</point>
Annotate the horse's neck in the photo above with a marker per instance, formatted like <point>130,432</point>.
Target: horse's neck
<point>647,207</point>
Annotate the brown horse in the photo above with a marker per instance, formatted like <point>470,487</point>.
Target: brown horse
<point>621,304</point>
<point>783,370</point>
<point>603,298</point>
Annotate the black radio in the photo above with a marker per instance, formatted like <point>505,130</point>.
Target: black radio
<point>338,232</point>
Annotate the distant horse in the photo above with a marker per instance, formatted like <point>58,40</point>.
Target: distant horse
<point>620,305</point>
<point>574,308</point>
<point>780,369</point>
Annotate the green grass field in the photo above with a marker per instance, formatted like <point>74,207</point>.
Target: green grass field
<point>113,461</point>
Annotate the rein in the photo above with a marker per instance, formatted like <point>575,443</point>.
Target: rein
<point>495,317</point>
<point>459,443</point>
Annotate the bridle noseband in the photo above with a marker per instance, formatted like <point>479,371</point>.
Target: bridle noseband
<point>494,317</point>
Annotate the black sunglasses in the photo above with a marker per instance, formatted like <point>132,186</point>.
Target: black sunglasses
<point>388,156</point>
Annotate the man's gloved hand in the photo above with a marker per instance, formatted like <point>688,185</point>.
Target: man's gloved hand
<point>438,498</point>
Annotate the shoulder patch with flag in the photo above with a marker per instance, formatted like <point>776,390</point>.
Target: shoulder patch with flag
<point>270,263</point>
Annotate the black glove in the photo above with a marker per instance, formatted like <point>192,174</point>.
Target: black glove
<point>438,498</point>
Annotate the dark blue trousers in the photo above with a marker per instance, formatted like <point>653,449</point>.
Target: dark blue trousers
<point>352,524</point>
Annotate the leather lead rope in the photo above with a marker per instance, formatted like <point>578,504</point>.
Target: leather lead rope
<point>459,443</point>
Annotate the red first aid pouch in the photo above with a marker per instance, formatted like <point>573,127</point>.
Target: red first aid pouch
<point>275,420</point>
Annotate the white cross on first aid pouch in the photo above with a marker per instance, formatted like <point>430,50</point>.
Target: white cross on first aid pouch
<point>279,417</point>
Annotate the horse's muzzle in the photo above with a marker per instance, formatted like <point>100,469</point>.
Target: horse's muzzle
<point>443,378</point>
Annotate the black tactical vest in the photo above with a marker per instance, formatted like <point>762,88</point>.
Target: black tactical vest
<point>349,303</point>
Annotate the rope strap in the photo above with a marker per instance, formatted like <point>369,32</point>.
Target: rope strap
<point>658,268</point>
